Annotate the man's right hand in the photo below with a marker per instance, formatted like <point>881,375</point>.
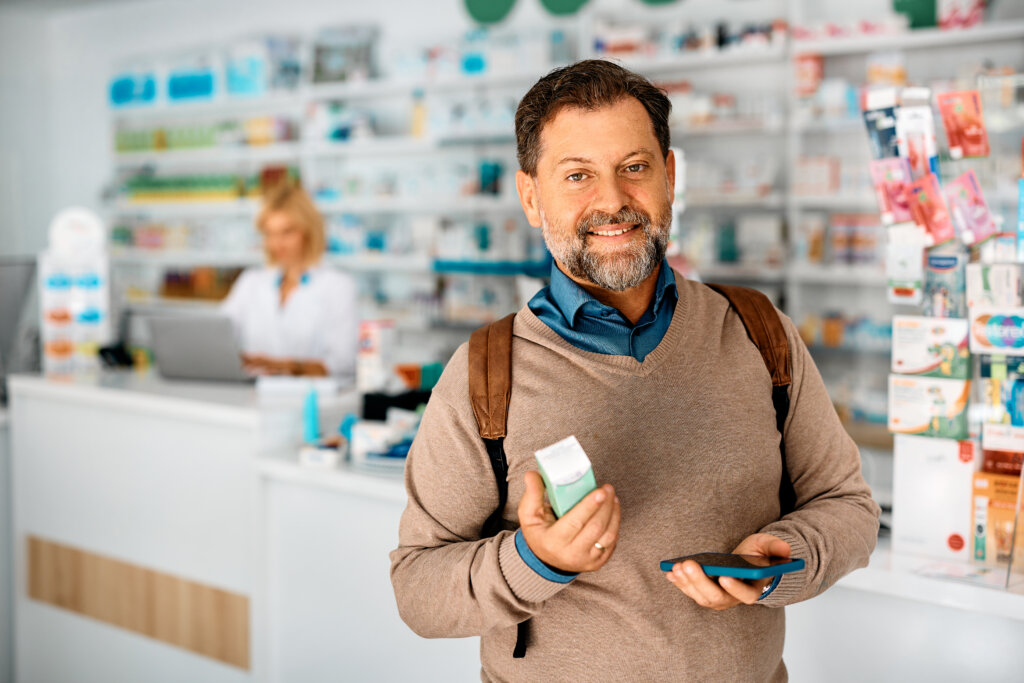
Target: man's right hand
<point>583,540</point>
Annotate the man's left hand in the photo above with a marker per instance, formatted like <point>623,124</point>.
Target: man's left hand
<point>727,591</point>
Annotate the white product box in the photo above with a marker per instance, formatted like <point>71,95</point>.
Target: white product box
<point>932,485</point>
<point>1002,437</point>
<point>996,285</point>
<point>930,347</point>
<point>926,406</point>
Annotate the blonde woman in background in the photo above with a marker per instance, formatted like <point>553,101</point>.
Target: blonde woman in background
<point>294,316</point>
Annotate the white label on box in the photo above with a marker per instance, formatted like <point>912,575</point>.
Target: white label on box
<point>997,330</point>
<point>930,346</point>
<point>1002,438</point>
<point>564,462</point>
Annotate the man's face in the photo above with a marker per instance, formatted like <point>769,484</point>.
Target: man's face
<point>602,194</point>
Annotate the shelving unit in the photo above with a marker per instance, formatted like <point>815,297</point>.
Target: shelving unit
<point>912,40</point>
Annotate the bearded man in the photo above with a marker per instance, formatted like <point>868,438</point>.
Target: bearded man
<point>656,377</point>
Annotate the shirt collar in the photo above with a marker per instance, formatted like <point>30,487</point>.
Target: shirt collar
<point>569,297</point>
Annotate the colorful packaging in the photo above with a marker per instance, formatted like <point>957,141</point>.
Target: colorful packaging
<point>1001,462</point>
<point>880,119</point>
<point>945,277</point>
<point>994,518</point>
<point>1002,399</point>
<point>1004,439</point>
<point>932,484</point>
<point>930,347</point>
<point>964,123</point>
<point>891,178</point>
<point>998,285</point>
<point>924,406</point>
<point>928,207</point>
<point>1020,217</point>
<point>971,215</point>
<point>915,132</point>
<point>997,330</point>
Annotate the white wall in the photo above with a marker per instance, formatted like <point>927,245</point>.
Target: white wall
<point>24,134</point>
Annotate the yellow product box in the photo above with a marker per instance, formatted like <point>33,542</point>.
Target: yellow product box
<point>994,514</point>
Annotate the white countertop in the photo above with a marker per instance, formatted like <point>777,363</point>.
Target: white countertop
<point>384,485</point>
<point>131,391</point>
<point>929,580</point>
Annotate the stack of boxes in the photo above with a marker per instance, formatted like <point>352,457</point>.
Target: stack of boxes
<point>956,392</point>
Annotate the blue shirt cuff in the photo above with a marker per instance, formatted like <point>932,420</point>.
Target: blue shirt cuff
<point>534,563</point>
<point>774,584</point>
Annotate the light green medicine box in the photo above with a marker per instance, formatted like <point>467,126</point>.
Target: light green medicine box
<point>567,474</point>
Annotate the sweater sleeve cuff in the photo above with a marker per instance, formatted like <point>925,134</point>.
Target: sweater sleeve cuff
<point>535,563</point>
<point>525,582</point>
<point>789,586</point>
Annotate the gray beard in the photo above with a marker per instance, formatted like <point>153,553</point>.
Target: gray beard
<point>617,272</point>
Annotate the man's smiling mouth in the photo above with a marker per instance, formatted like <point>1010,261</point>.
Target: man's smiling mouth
<point>614,232</point>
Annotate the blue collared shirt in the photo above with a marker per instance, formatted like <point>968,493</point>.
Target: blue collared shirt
<point>588,324</point>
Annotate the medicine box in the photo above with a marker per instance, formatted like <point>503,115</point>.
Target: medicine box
<point>993,521</point>
<point>930,347</point>
<point>567,474</point>
<point>997,330</point>
<point>932,481</point>
<point>995,285</point>
<point>927,406</point>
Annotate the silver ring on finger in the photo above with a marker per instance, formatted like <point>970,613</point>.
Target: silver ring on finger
<point>599,546</point>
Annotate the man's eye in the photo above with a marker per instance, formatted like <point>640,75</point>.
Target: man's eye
<point>636,168</point>
<point>575,177</point>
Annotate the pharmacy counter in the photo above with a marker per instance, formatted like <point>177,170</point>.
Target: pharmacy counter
<point>136,526</point>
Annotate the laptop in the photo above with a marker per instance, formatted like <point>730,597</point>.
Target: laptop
<point>197,348</point>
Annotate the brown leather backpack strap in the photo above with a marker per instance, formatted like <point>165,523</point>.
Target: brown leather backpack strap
<point>490,376</point>
<point>763,327</point>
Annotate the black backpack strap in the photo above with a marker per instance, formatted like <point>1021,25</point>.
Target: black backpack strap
<point>765,329</point>
<point>490,386</point>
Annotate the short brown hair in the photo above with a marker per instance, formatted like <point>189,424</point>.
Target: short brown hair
<point>293,200</point>
<point>588,84</point>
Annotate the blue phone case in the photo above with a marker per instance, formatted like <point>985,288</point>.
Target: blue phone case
<point>725,564</point>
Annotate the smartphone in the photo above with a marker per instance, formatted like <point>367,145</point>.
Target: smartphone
<point>739,566</point>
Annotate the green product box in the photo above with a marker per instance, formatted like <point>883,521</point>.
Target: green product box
<point>567,474</point>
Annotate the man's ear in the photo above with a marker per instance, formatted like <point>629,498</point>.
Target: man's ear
<point>670,171</point>
<point>527,187</point>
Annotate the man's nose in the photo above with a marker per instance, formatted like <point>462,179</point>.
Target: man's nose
<point>611,195</point>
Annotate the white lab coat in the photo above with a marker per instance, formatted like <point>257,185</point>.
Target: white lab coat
<point>319,321</point>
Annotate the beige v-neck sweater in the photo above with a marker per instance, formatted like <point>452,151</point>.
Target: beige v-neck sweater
<point>688,439</point>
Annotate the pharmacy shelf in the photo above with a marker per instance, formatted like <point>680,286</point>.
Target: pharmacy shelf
<point>164,303</point>
<point>364,263</point>
<point>396,87</point>
<point>401,145</point>
<point>866,203</point>
<point>725,128</point>
<point>738,273</point>
<point>185,257</point>
<point>700,59</point>
<point>829,126</point>
<point>843,275</point>
<point>187,209</point>
<point>386,205</point>
<point>277,103</point>
<point>918,39</point>
<point>504,268</point>
<point>259,154</point>
<point>772,201</point>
